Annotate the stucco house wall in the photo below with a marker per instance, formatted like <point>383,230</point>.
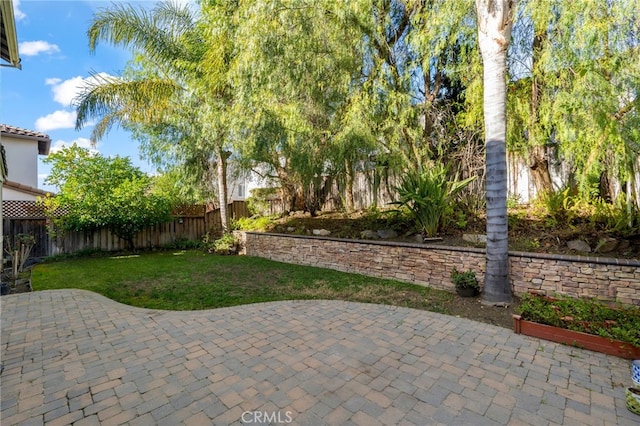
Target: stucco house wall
<point>22,160</point>
<point>22,148</point>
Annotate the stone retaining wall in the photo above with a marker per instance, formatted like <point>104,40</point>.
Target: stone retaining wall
<point>431,265</point>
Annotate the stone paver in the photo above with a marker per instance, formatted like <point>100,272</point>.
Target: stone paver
<point>75,357</point>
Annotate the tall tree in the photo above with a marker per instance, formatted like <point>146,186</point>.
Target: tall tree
<point>98,192</point>
<point>171,94</point>
<point>495,19</point>
<point>297,75</point>
<point>574,88</point>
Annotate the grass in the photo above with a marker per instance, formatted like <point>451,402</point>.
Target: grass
<point>192,280</point>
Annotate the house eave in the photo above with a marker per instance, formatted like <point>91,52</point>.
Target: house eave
<point>44,141</point>
<point>9,50</point>
<point>25,188</point>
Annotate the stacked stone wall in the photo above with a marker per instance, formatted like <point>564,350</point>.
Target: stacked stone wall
<point>431,265</point>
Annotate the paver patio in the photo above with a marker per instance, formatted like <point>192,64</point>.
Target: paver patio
<point>75,357</point>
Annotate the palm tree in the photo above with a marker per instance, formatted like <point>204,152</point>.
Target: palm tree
<point>169,40</point>
<point>495,18</point>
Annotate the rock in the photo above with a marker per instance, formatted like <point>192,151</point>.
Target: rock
<point>418,238</point>
<point>606,245</point>
<point>385,234</point>
<point>369,235</point>
<point>579,245</point>
<point>475,238</point>
<point>321,232</point>
<point>432,240</point>
<point>291,229</point>
<point>623,244</point>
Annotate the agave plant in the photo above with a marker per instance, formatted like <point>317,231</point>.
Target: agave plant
<point>426,192</point>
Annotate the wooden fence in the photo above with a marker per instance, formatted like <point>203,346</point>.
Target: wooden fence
<point>189,227</point>
<point>235,210</point>
<point>181,228</point>
<point>37,227</point>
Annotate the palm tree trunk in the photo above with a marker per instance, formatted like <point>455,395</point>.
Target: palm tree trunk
<point>494,31</point>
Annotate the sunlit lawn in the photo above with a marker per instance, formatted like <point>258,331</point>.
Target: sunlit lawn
<point>190,280</point>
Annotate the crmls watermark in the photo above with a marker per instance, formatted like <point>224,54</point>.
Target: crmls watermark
<point>265,417</point>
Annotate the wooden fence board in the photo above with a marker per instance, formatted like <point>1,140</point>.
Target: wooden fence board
<point>35,227</point>
<point>235,210</point>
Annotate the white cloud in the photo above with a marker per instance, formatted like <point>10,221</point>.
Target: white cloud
<point>52,81</point>
<point>56,120</point>
<point>81,142</point>
<point>33,48</point>
<point>64,92</point>
<point>17,13</point>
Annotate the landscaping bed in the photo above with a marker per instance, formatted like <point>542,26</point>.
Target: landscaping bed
<point>585,323</point>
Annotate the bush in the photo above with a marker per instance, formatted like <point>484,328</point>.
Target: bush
<point>256,223</point>
<point>184,244</point>
<point>427,193</point>
<point>227,244</point>
<point>258,203</point>
<point>465,279</point>
<point>555,205</point>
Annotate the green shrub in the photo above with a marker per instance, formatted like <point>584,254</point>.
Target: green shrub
<point>184,244</point>
<point>427,193</point>
<point>258,203</point>
<point>466,279</point>
<point>554,205</point>
<point>257,223</point>
<point>227,244</point>
<point>88,252</point>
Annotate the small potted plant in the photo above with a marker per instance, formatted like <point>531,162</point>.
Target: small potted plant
<point>466,283</point>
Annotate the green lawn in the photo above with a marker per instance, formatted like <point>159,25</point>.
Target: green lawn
<point>190,280</point>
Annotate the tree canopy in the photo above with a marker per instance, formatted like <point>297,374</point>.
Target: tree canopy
<point>97,192</point>
<point>310,93</point>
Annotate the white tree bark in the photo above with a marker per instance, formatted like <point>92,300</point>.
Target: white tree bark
<point>495,19</point>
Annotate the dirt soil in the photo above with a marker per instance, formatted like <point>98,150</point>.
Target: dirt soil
<point>472,308</point>
<point>525,234</point>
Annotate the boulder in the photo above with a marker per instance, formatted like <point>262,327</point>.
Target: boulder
<point>368,234</point>
<point>579,245</point>
<point>321,232</point>
<point>475,238</point>
<point>606,245</point>
<point>623,244</point>
<point>385,234</point>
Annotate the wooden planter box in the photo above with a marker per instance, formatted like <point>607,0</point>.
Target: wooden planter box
<point>576,338</point>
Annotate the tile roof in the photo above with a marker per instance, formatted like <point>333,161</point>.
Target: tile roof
<point>44,141</point>
<point>24,188</point>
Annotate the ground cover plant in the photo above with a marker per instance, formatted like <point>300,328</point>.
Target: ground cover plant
<point>585,315</point>
<point>191,280</point>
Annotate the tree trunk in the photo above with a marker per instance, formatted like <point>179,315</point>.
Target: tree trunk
<point>494,31</point>
<point>348,196</point>
<point>538,162</point>
<point>222,188</point>
<point>539,167</point>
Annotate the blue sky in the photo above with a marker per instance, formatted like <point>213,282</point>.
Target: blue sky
<point>55,55</point>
